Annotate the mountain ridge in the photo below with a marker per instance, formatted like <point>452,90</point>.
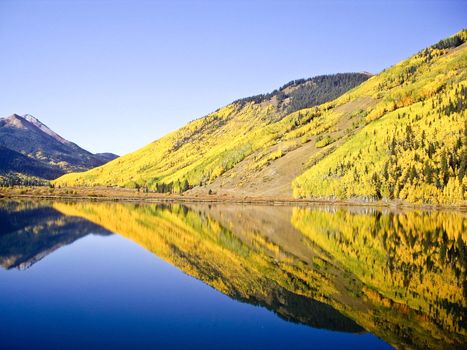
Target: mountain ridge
<point>36,151</point>
<point>230,136</point>
<point>381,139</point>
<point>44,128</point>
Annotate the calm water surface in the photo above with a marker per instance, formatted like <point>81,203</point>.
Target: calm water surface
<point>107,275</point>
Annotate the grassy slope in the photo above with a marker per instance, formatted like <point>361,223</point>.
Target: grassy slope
<point>399,135</point>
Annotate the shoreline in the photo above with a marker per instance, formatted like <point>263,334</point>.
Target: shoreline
<point>131,196</point>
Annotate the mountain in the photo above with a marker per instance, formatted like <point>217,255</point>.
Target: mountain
<point>31,231</point>
<point>30,148</point>
<point>399,135</point>
<point>202,150</point>
<point>14,162</point>
<point>106,157</point>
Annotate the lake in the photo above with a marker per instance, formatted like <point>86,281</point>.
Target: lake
<point>92,275</point>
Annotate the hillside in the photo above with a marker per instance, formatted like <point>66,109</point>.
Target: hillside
<point>12,162</point>
<point>413,146</point>
<point>398,135</point>
<point>207,147</point>
<point>30,149</point>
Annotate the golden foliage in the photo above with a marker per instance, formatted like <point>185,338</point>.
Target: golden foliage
<point>393,273</point>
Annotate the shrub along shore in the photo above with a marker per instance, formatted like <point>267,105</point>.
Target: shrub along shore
<point>132,195</point>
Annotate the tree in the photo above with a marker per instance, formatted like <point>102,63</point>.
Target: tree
<point>413,173</point>
<point>185,185</point>
<point>444,167</point>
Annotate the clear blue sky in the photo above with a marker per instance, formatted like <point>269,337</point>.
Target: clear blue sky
<point>115,75</point>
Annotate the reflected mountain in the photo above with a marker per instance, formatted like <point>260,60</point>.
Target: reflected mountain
<point>399,275</point>
<point>29,232</point>
<point>200,246</point>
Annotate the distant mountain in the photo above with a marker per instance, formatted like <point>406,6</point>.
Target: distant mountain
<point>29,148</point>
<point>14,162</point>
<point>399,135</point>
<point>106,157</point>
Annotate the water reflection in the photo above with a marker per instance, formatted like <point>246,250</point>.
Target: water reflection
<point>399,275</point>
<point>31,231</point>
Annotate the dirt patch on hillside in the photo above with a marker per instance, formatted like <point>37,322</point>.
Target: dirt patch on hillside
<point>276,178</point>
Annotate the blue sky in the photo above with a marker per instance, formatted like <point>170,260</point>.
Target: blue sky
<point>116,75</point>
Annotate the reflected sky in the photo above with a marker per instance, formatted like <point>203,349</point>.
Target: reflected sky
<point>109,292</point>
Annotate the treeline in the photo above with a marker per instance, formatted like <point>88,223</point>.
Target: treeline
<point>305,93</point>
<point>173,187</point>
<point>154,185</point>
<point>452,42</point>
<point>322,89</point>
<point>278,92</point>
<point>449,43</point>
<point>10,180</point>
